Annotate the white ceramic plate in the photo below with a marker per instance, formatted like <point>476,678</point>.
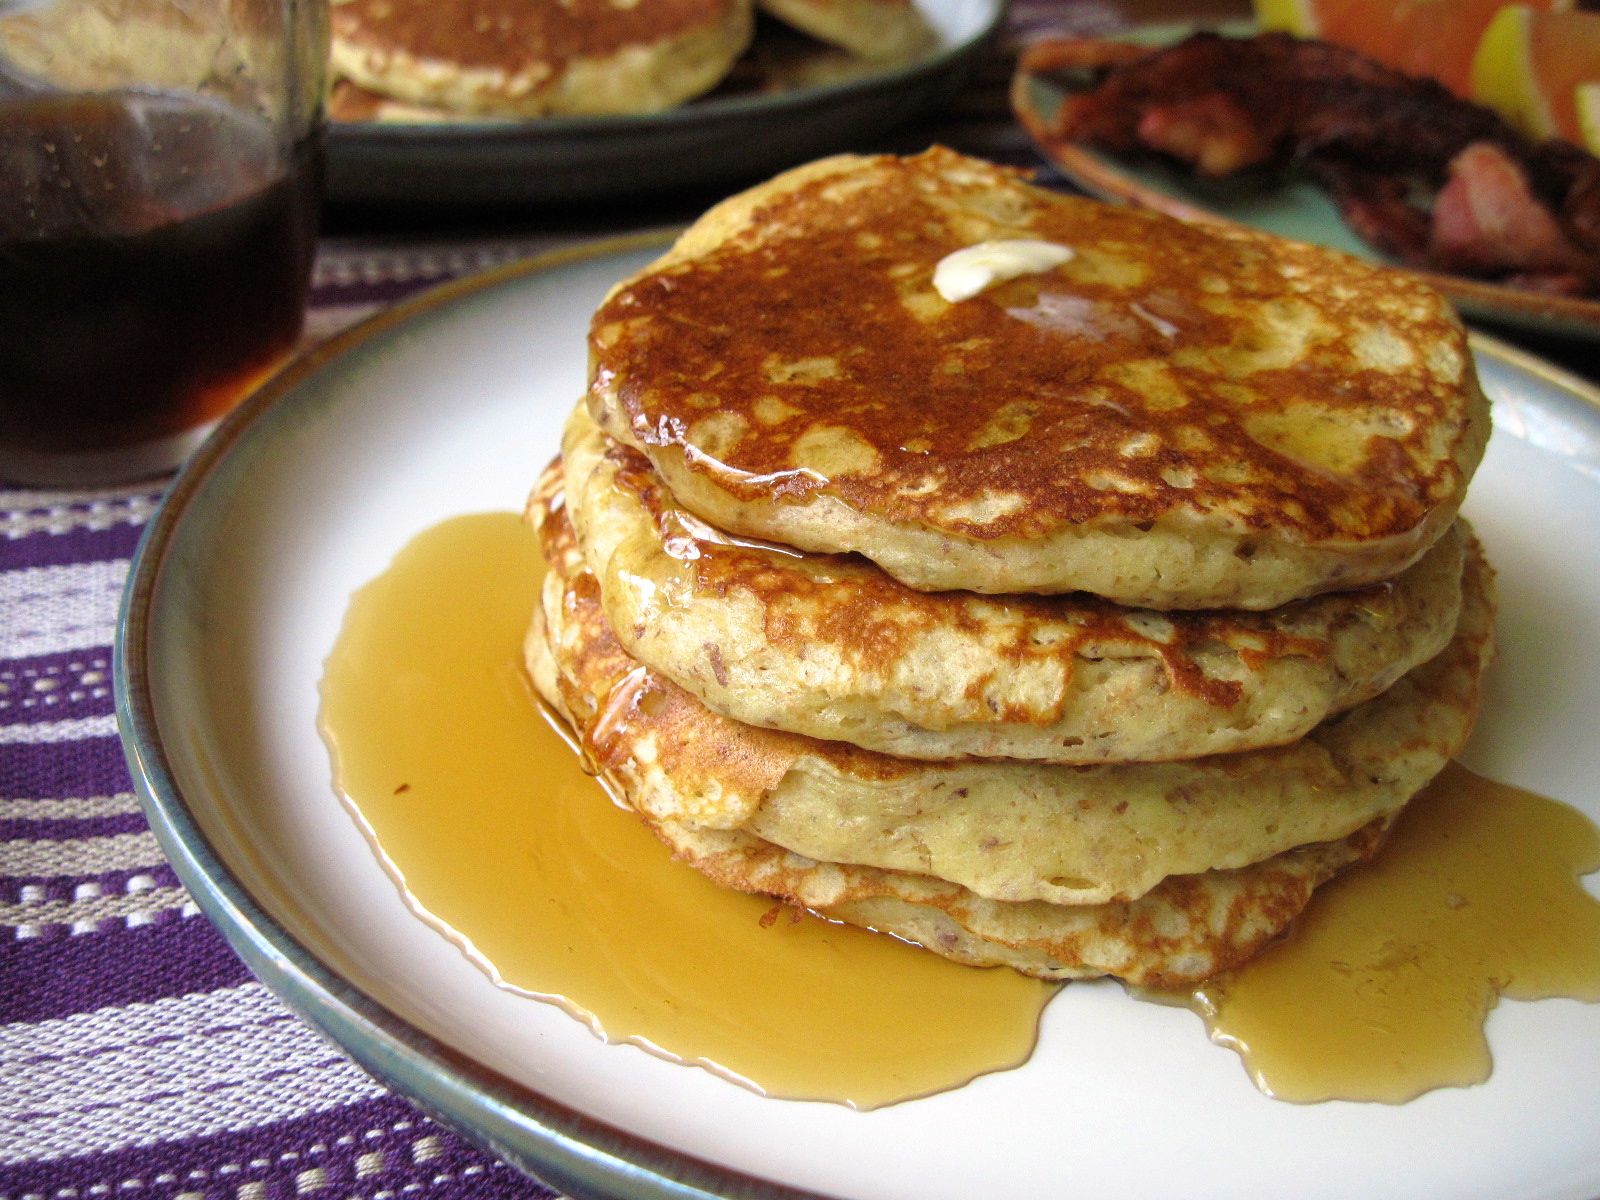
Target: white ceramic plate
<point>452,404</point>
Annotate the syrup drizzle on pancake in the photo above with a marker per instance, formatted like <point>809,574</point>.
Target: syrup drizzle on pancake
<point>1165,367</point>
<point>718,563</point>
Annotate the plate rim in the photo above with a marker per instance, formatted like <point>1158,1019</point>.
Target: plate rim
<point>582,1156</point>
<point>1101,176</point>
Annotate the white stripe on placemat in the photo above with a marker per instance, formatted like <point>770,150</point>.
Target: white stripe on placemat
<point>190,1066</point>
<point>46,732</point>
<point>80,856</point>
<point>63,513</point>
<point>56,610</point>
<point>25,499</point>
<point>140,903</point>
<point>71,808</point>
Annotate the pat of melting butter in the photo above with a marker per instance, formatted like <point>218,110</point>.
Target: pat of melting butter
<point>964,273</point>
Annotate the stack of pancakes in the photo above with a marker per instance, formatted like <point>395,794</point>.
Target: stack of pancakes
<point>1084,625</point>
<point>439,60</point>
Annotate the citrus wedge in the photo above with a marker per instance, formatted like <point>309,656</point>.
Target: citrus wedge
<point>1531,66</point>
<point>1588,105</point>
<point>1291,16</point>
<point>1433,38</point>
<point>1502,72</point>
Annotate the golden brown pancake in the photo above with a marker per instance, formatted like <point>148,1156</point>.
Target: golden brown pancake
<point>348,101</point>
<point>833,647</point>
<point>91,46</point>
<point>529,58</point>
<point>1177,417</point>
<point>781,59</point>
<point>889,30</point>
<point>1004,830</point>
<point>1185,929</point>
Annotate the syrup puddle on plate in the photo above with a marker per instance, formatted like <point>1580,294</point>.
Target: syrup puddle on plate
<point>1382,991</point>
<point>480,811</point>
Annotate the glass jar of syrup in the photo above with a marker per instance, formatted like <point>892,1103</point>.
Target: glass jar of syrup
<point>159,181</point>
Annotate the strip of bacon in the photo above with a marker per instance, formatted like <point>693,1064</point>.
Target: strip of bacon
<point>1382,142</point>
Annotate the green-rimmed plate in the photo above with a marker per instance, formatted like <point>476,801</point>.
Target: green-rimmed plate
<point>452,404</point>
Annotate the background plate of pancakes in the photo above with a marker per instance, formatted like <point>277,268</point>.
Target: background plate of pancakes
<point>788,98</point>
<point>1295,208</point>
<point>451,404</point>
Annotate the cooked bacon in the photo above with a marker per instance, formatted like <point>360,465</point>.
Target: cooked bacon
<point>1379,208</point>
<point>1486,221</point>
<point>1376,138</point>
<point>1214,132</point>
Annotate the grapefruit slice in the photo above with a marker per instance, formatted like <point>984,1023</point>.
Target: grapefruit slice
<point>1531,65</point>
<point>1291,16</point>
<point>1434,38</point>
<point>1589,116</point>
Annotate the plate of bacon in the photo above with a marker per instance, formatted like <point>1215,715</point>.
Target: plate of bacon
<point>1312,141</point>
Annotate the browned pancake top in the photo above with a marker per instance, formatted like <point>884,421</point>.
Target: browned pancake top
<point>513,35</point>
<point>1165,367</point>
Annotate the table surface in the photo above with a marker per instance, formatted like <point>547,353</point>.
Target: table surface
<point>137,1055</point>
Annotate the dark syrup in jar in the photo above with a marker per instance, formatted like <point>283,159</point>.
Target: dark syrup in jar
<point>154,264</point>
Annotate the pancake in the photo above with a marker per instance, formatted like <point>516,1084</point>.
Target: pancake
<point>888,30</point>
<point>1179,416</point>
<point>350,102</point>
<point>92,46</point>
<point>1005,830</point>
<point>777,60</point>
<point>833,647</point>
<point>1187,928</point>
<point>532,58</point>
<point>781,59</point>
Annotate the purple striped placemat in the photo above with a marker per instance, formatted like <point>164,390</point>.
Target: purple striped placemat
<point>138,1057</point>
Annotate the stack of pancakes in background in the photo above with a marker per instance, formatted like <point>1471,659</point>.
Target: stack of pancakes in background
<point>1083,623</point>
<point>438,60</point>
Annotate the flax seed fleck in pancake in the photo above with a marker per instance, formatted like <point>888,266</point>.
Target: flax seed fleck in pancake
<point>833,647</point>
<point>1004,830</point>
<point>1177,417</point>
<point>528,58</point>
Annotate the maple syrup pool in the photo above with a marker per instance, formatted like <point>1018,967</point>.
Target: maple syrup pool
<point>480,811</point>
